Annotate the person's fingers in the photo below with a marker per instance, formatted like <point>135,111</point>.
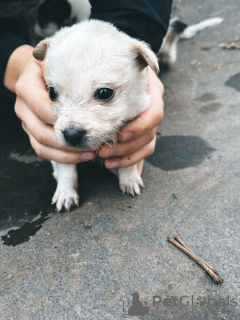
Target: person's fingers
<point>125,148</point>
<point>35,94</point>
<point>59,155</point>
<point>150,118</point>
<point>44,134</point>
<point>41,107</point>
<point>131,159</point>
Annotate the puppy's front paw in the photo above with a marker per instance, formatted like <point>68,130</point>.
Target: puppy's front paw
<point>130,182</point>
<point>65,198</point>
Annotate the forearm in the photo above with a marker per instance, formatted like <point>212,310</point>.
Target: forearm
<point>15,65</point>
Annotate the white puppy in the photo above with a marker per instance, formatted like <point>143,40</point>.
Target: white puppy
<point>97,81</point>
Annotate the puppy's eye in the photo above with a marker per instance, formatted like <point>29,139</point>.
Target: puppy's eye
<point>53,94</point>
<point>104,94</point>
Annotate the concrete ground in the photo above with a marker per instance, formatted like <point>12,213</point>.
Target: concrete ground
<point>86,264</point>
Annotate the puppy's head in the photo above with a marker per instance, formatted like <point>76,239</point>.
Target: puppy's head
<point>97,81</point>
<point>51,16</point>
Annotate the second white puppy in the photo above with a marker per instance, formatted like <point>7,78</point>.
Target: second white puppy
<point>97,81</point>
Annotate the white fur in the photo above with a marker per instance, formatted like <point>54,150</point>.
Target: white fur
<point>79,60</point>
<point>66,193</point>
<point>94,55</point>
<point>81,9</point>
<point>192,30</point>
<point>129,180</point>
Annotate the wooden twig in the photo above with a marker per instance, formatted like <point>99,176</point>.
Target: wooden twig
<point>215,276</point>
<point>185,246</point>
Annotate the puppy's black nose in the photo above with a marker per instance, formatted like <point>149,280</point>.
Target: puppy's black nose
<point>74,136</point>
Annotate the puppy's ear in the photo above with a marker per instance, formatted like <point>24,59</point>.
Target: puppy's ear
<point>145,56</point>
<point>40,50</point>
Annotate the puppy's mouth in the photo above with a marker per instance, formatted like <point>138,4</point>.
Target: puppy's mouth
<point>82,139</point>
<point>78,138</point>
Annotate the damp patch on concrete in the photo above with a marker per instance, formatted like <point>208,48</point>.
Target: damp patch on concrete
<point>210,107</point>
<point>15,237</point>
<point>234,82</point>
<point>179,152</point>
<point>206,97</point>
<point>25,158</point>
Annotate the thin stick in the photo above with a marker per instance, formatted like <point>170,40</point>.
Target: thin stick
<point>216,278</point>
<point>185,246</point>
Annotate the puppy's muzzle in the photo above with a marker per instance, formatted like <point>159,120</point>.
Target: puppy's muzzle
<point>74,137</point>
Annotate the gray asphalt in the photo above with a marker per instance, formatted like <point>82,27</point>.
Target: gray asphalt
<point>85,264</point>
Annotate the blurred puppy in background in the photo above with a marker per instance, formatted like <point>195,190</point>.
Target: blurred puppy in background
<point>52,15</point>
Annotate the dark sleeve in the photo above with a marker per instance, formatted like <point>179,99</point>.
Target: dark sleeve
<point>142,19</point>
<point>9,40</point>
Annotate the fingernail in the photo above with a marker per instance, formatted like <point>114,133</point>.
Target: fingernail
<point>128,135</point>
<point>86,156</point>
<point>112,164</point>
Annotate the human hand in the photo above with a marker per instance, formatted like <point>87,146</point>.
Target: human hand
<point>138,138</point>
<point>33,108</point>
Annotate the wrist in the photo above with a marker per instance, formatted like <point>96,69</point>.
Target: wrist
<point>15,65</point>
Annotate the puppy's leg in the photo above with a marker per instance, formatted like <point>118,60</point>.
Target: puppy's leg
<point>130,180</point>
<point>168,52</point>
<point>66,193</point>
<point>178,29</point>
